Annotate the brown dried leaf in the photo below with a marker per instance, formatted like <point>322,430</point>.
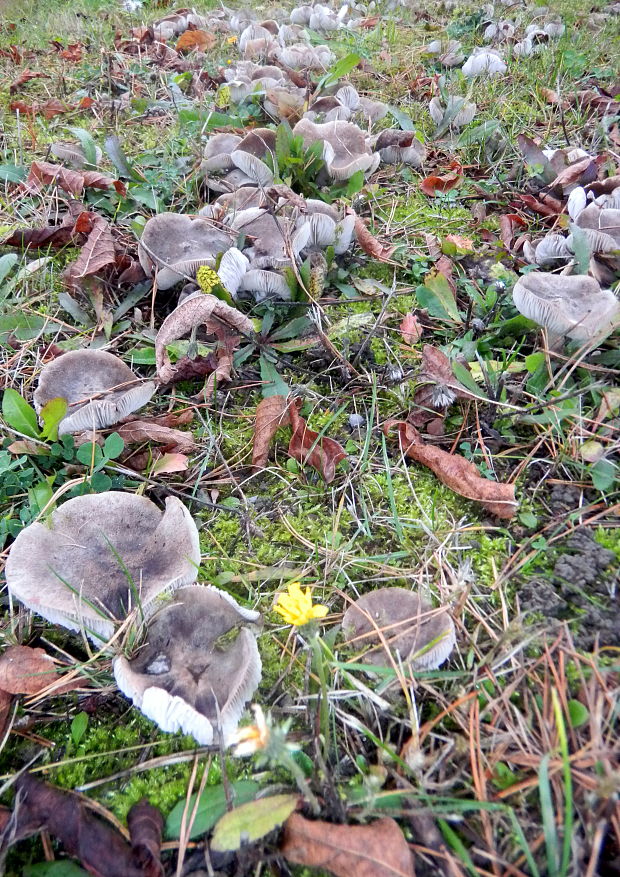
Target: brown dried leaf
<point>102,851</point>
<point>44,172</point>
<point>369,244</point>
<point>305,446</point>
<point>271,414</point>
<point>53,107</point>
<point>410,329</point>
<point>97,252</point>
<point>145,824</point>
<point>6,701</point>
<point>441,182</point>
<point>456,472</point>
<point>375,850</point>
<point>26,671</point>
<point>579,173</point>
<point>26,76</point>
<point>72,53</point>
<point>195,39</point>
<point>175,440</point>
<point>170,463</point>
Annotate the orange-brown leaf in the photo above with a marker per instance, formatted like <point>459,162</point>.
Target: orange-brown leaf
<point>369,244</point>
<point>456,472</point>
<point>175,440</point>
<point>306,446</point>
<point>26,76</point>
<point>195,39</point>
<point>97,252</point>
<point>72,53</point>
<point>26,671</point>
<point>53,107</point>
<point>440,183</point>
<point>410,329</point>
<point>375,850</point>
<point>271,414</point>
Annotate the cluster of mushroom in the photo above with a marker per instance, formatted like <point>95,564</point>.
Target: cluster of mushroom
<point>595,224</point>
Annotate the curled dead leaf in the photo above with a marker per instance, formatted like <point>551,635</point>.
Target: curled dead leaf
<point>441,182</point>
<point>175,440</point>
<point>375,850</point>
<point>26,76</point>
<point>306,446</point>
<point>271,414</point>
<point>456,472</point>
<point>369,244</point>
<point>410,329</point>
<point>28,671</point>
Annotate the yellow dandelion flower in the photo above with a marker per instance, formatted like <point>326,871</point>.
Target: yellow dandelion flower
<point>207,279</point>
<point>297,607</point>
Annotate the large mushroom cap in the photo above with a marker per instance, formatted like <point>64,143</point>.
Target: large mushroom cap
<point>100,556</point>
<point>345,148</point>
<point>198,667</point>
<point>99,388</point>
<point>575,306</point>
<point>415,633</point>
<point>179,245</point>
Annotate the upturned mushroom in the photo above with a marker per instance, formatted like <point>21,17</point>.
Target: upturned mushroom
<point>99,389</point>
<point>394,624</point>
<point>100,556</point>
<point>177,245</point>
<point>484,61</point>
<point>345,147</point>
<point>198,667</point>
<point>400,147</point>
<point>573,306</point>
<point>456,113</point>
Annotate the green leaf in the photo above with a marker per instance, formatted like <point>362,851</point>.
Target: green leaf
<point>534,361</point>
<point>60,868</point>
<point>88,146</point>
<point>603,474</point>
<point>284,139</point>
<point>291,330</point>
<point>10,173</point>
<point>577,713</point>
<point>273,383</point>
<point>465,378</point>
<point>6,265</point>
<point>528,519</point>
<point>437,297</point>
<point>341,68</point>
<point>100,482</point>
<point>51,415</point>
<point>250,822</point>
<point>405,121</point>
<point>113,446</point>
<point>354,184</point>
<point>90,454</point>
<point>79,726</point>
<point>118,158</point>
<point>211,807</point>
<point>581,248</point>
<point>40,494</point>
<point>18,414</point>
<point>479,133</point>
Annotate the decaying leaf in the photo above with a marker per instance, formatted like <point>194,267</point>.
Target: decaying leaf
<point>306,446</point>
<point>410,329</point>
<point>195,39</point>
<point>100,848</point>
<point>271,414</point>
<point>96,254</point>
<point>145,824</point>
<point>175,440</point>
<point>26,76</point>
<point>456,472</point>
<point>26,671</point>
<point>55,236</point>
<point>441,182</point>
<point>375,850</point>
<point>369,244</point>
<point>74,182</point>
<point>170,463</point>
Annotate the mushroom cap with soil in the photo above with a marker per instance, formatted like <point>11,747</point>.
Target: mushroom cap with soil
<point>100,556</point>
<point>198,667</point>
<point>99,389</point>
<point>574,306</point>
<point>415,633</point>
<point>178,245</point>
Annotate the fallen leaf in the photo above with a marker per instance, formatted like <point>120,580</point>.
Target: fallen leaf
<point>72,53</point>
<point>375,850</point>
<point>579,173</point>
<point>6,702</point>
<point>22,107</point>
<point>410,329</point>
<point>26,671</point>
<point>44,172</point>
<point>552,208</point>
<point>101,849</point>
<point>249,822</point>
<point>195,39</point>
<point>369,244</point>
<point>462,244</point>
<point>170,463</point>
<point>53,235</point>
<point>271,414</point>
<point>26,76</point>
<point>322,453</point>
<point>53,107</point>
<point>97,252</point>
<point>441,183</point>
<point>132,274</point>
<point>456,472</point>
<point>175,440</point>
<point>145,824</point>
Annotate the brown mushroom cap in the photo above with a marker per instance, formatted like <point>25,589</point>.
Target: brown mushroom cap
<point>99,388</point>
<point>99,556</point>
<point>198,666</point>
<point>415,633</point>
<point>178,245</point>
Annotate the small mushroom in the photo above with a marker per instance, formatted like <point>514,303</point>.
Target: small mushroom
<point>414,632</point>
<point>218,151</point>
<point>99,389</point>
<point>198,667</point>
<point>485,61</point>
<point>552,248</point>
<point>266,284</point>
<point>255,169</point>
<point>233,267</point>
<point>178,245</point>
<point>574,306</point>
<point>99,556</point>
<point>400,147</point>
<point>345,148</point>
<point>457,112</point>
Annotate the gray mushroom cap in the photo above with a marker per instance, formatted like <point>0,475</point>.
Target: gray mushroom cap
<point>99,556</point>
<point>178,245</point>
<point>198,666</point>
<point>575,306</point>
<point>99,388</point>
<point>345,148</point>
<point>396,146</point>
<point>415,633</point>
